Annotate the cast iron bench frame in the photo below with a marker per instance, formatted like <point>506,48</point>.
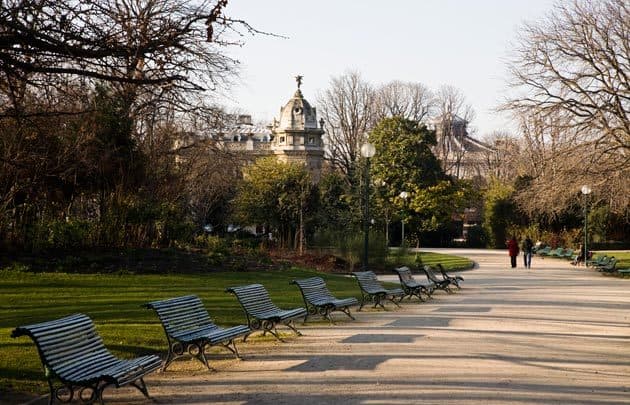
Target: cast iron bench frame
<point>373,290</point>
<point>453,279</point>
<point>319,300</point>
<point>262,313</point>
<point>413,287</point>
<point>73,354</point>
<point>190,330</point>
<point>443,284</point>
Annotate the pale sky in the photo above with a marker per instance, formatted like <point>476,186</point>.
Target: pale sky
<point>455,42</point>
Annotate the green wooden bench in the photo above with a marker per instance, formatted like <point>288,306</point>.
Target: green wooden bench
<point>373,290</point>
<point>455,280</point>
<point>413,287</point>
<point>599,261</point>
<point>73,354</point>
<point>443,284</point>
<point>319,300</point>
<point>190,330</point>
<point>262,313</point>
<point>609,267</point>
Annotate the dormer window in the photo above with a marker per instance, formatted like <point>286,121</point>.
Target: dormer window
<point>297,110</point>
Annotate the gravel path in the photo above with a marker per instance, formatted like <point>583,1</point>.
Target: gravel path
<point>554,334</point>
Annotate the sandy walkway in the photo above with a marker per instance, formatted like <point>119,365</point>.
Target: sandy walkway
<point>550,335</point>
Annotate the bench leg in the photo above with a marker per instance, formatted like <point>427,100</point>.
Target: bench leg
<point>325,313</point>
<point>362,302</point>
<point>393,299</point>
<point>378,301</point>
<point>269,326</point>
<point>231,346</point>
<point>141,386</point>
<point>291,326</point>
<point>346,311</point>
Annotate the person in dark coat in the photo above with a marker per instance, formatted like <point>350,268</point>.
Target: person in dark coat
<point>528,247</point>
<point>513,251</point>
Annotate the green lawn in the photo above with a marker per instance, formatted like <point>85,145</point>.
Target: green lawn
<point>114,303</point>
<point>449,262</point>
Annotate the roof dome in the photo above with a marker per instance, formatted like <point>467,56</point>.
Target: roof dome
<point>297,114</point>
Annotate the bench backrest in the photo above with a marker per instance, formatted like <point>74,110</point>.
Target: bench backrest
<point>430,274</point>
<point>254,299</point>
<point>69,343</point>
<point>368,281</point>
<point>181,314</point>
<point>314,289</point>
<point>404,273</point>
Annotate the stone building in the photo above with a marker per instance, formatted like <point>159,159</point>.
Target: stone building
<point>462,156</point>
<point>294,137</point>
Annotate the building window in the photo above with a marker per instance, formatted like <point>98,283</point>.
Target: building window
<point>311,140</point>
<point>282,139</point>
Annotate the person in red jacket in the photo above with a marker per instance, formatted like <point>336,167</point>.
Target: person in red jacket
<point>512,246</point>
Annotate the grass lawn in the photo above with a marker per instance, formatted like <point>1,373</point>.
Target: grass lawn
<point>114,304</point>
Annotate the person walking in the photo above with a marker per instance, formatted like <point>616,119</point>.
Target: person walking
<point>512,246</point>
<point>528,246</point>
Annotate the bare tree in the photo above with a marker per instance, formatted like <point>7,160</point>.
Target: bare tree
<point>572,97</point>
<point>130,41</point>
<point>412,101</point>
<point>347,107</point>
<point>559,161</point>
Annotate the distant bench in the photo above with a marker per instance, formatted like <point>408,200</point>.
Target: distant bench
<point>73,353</point>
<point>190,330</point>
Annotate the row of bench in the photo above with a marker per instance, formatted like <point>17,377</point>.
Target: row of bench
<point>76,362</point>
<point>602,263</point>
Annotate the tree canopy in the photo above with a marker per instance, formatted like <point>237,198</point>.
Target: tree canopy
<point>404,162</point>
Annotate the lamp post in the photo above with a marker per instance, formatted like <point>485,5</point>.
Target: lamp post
<point>586,190</point>
<point>367,151</point>
<point>403,195</point>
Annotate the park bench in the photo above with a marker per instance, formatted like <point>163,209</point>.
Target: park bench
<point>568,254</point>
<point>319,300</point>
<point>544,251</point>
<point>73,354</point>
<point>190,330</point>
<point>609,267</point>
<point>599,261</point>
<point>373,290</point>
<point>441,284</point>
<point>263,314</point>
<point>411,286</point>
<point>453,279</point>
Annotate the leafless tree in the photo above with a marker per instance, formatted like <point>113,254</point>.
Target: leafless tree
<point>502,161</point>
<point>412,101</point>
<point>571,86</point>
<point>347,108</point>
<point>559,161</point>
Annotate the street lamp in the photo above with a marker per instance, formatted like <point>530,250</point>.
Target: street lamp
<point>586,190</point>
<point>367,151</point>
<point>403,195</point>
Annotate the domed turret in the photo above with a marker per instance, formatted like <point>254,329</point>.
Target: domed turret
<point>297,114</point>
<point>297,136</point>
